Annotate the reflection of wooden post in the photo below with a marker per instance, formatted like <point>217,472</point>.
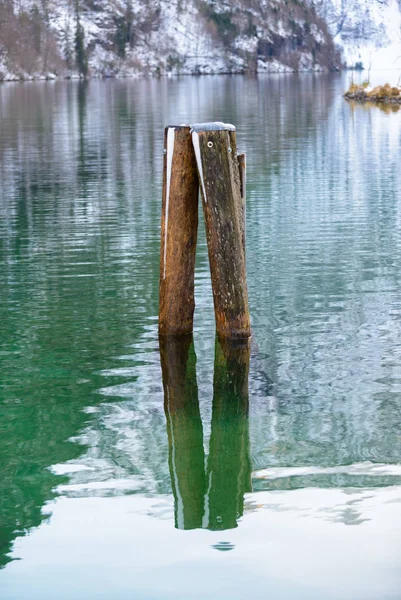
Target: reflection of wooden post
<point>229,468</point>
<point>214,500</point>
<point>184,429</point>
<point>178,233</point>
<point>218,170</point>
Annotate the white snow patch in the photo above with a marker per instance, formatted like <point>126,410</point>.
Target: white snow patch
<point>367,31</point>
<point>195,142</point>
<point>212,126</point>
<point>170,154</point>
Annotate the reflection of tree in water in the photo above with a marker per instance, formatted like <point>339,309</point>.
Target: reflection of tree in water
<point>387,108</point>
<point>213,499</point>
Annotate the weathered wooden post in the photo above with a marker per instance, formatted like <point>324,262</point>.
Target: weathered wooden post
<point>178,233</point>
<point>209,161</point>
<point>220,183</point>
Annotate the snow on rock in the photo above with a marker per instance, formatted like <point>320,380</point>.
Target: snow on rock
<point>167,37</point>
<point>368,31</point>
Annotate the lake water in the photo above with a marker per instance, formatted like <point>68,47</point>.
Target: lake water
<point>284,485</point>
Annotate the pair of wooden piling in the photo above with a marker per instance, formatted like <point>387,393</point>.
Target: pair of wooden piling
<point>203,156</point>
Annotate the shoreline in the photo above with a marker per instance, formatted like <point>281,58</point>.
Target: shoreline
<point>359,93</point>
<point>141,75</point>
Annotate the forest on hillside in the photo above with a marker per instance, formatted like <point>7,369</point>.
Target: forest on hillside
<point>42,38</point>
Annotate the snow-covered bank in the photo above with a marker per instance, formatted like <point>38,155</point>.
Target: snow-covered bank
<point>44,39</point>
<point>161,37</point>
<point>367,31</point>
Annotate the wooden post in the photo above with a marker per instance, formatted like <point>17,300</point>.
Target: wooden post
<point>184,429</point>
<point>219,177</point>
<point>178,233</point>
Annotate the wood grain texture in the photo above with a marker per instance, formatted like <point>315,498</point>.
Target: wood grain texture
<point>220,185</point>
<point>178,233</point>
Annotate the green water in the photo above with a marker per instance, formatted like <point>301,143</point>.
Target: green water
<point>213,472</point>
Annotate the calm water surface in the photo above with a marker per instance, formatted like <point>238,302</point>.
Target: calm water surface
<point>278,477</point>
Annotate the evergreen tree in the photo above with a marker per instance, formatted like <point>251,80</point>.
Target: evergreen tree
<point>124,33</point>
<point>68,51</point>
<point>81,58</point>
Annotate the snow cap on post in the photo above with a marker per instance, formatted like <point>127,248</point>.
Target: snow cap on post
<point>213,126</point>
